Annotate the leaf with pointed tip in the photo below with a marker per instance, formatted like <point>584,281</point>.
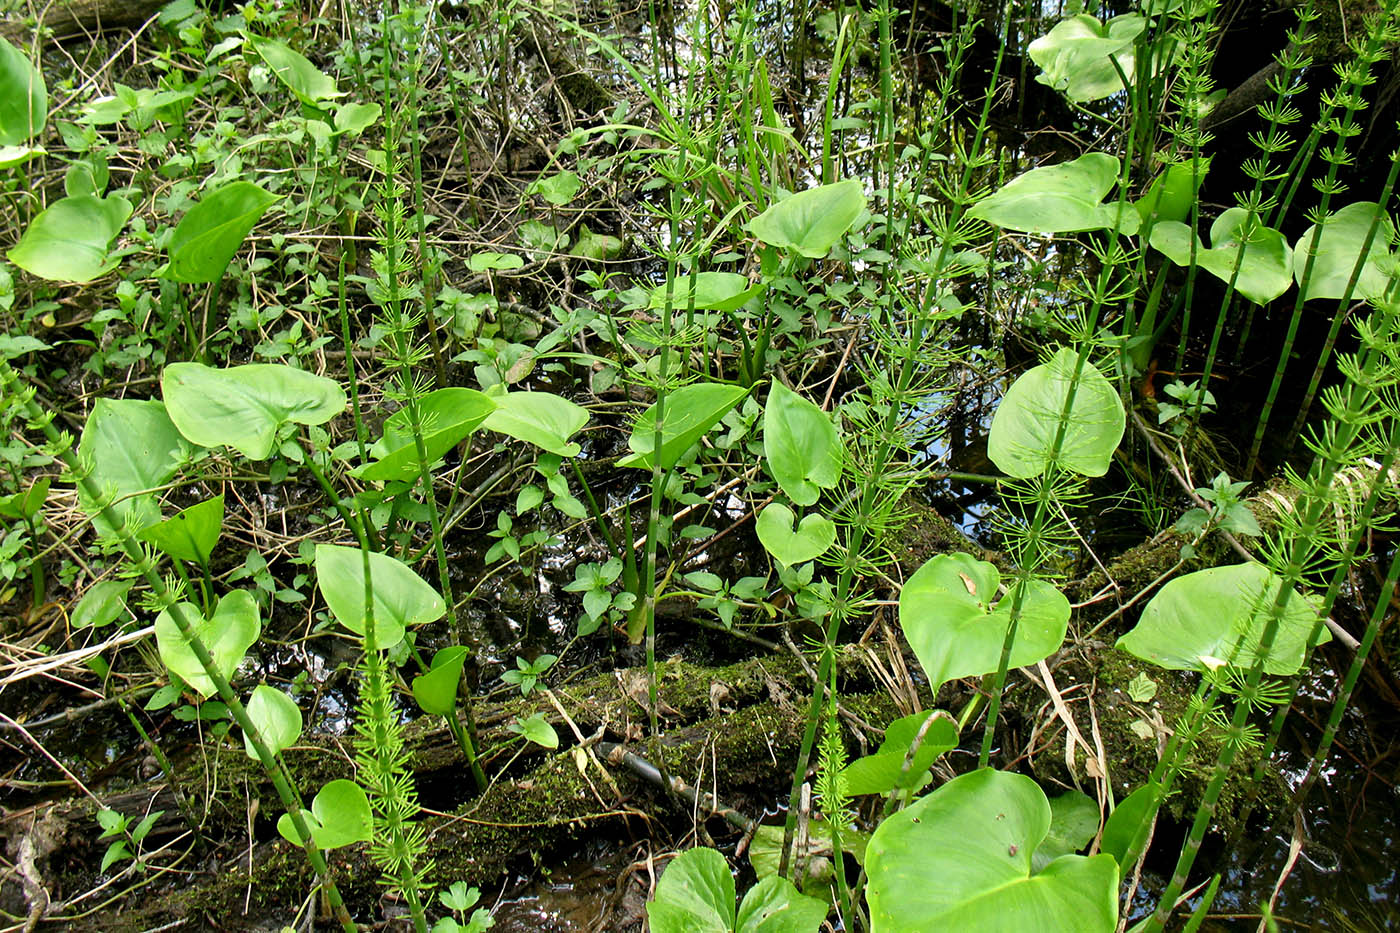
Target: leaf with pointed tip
<point>24,100</point>
<point>1218,615</point>
<point>436,691</point>
<point>952,619</point>
<point>227,636</point>
<point>690,412</point>
<point>209,234</point>
<point>1027,422</point>
<point>961,859</point>
<point>191,534</point>
<point>276,717</point>
<point>243,406</point>
<point>133,446</point>
<point>1063,198</point>
<point>446,416</point>
<point>710,291</point>
<point>1077,56</point>
<point>310,84</point>
<point>1339,248</point>
<point>883,770</point>
<point>69,241</point>
<point>1265,265</point>
<point>401,597</point>
<point>801,445</point>
<point>540,418</point>
<point>811,222</point>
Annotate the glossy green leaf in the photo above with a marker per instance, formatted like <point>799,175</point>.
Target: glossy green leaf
<point>1022,438</point>
<point>1171,195</point>
<point>1217,616</point>
<point>811,539</point>
<point>310,85</point>
<point>1339,248</point>
<point>540,418</point>
<point>26,503</point>
<point>132,446</point>
<point>10,156</point>
<point>815,850</point>
<point>211,232</point>
<point>276,717</point>
<point>883,770</point>
<point>690,413</point>
<point>699,898</point>
<point>811,222</point>
<point>535,728</point>
<point>1074,822</point>
<point>24,100</point>
<point>102,604</point>
<point>190,535</point>
<point>1128,827</point>
<point>483,262</point>
<point>401,597</point>
<point>1064,198</point>
<point>960,859</point>
<point>596,246</point>
<point>436,691</point>
<point>712,291</point>
<point>354,119</point>
<point>69,241</point>
<point>1265,267</point>
<point>243,406</point>
<point>233,628</point>
<point>803,450</point>
<point>339,816</point>
<point>447,417</point>
<point>956,625</point>
<point>1077,56</point>
<point>558,189</point>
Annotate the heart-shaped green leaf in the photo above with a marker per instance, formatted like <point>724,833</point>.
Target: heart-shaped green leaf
<point>1171,195</point>
<point>960,859</point>
<point>1127,829</point>
<point>24,101</point>
<point>811,222</point>
<point>1217,616</point>
<point>102,604</point>
<point>276,717</point>
<point>1077,56</point>
<point>339,816</point>
<point>132,446</point>
<point>540,418</point>
<point>68,242</point>
<point>210,232</point>
<point>447,417</point>
<point>1265,267</point>
<point>354,119</point>
<point>1064,198</point>
<point>558,189</point>
<point>596,246</point>
<point>1022,438</point>
<point>803,450</point>
<point>689,414</point>
<point>699,898</point>
<point>243,406</point>
<point>950,616</point>
<point>227,636</point>
<point>1074,821</point>
<point>485,262</point>
<point>401,597</point>
<point>814,535</point>
<point>1339,248</point>
<point>436,691</point>
<point>883,770</point>
<point>190,535</point>
<point>310,85</point>
<point>711,291</point>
